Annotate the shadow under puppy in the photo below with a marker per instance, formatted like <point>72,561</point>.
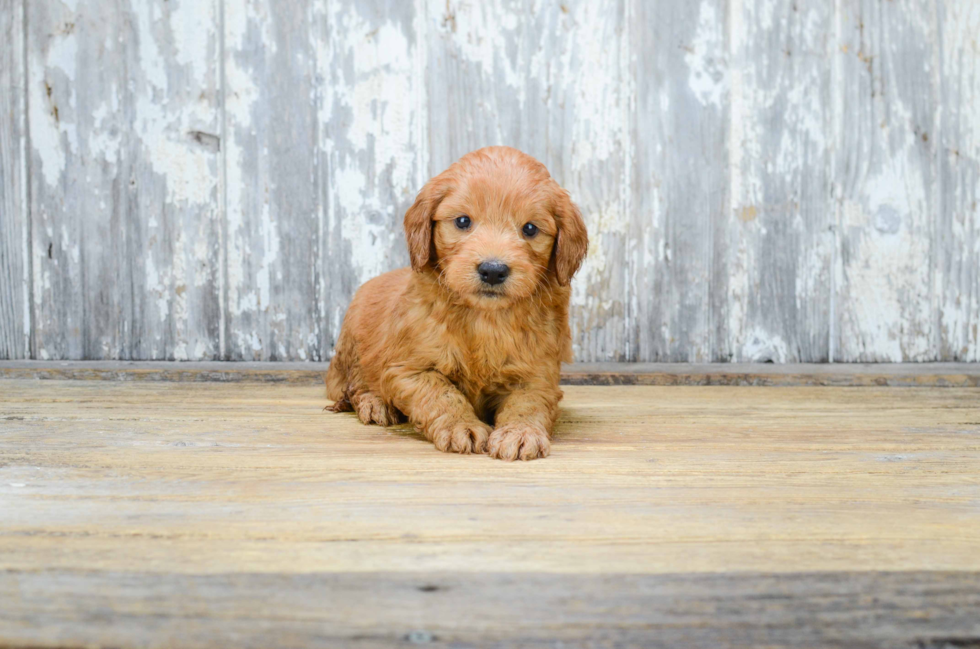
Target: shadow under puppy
<point>468,343</point>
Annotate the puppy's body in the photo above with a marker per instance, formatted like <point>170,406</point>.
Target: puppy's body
<point>453,347</point>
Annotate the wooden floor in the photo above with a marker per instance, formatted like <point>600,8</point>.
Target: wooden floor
<point>146,514</point>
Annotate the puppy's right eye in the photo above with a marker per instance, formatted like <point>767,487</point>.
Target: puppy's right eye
<point>463,222</point>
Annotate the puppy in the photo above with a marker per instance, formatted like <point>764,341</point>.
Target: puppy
<point>468,342</point>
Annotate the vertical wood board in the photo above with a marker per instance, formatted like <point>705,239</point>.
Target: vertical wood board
<point>15,319</point>
<point>124,178</point>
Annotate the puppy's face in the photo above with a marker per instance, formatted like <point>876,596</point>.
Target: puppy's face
<point>496,227</point>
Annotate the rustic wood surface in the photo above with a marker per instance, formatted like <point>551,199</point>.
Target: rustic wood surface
<point>886,176</point>
<point>163,514</point>
<point>760,374</point>
<point>763,180</point>
<point>15,323</point>
<point>957,238</point>
<point>904,610</point>
<point>124,174</point>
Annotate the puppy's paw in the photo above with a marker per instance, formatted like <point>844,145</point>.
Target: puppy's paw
<point>462,437</point>
<point>371,409</point>
<point>519,442</point>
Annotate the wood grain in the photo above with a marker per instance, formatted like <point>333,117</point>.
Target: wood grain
<point>15,325</point>
<point>957,234</point>
<point>273,208</point>
<point>124,178</point>
<point>912,610</point>
<point>762,179</point>
<point>214,478</point>
<point>778,234</point>
<point>167,514</point>
<point>678,274</point>
<point>886,179</point>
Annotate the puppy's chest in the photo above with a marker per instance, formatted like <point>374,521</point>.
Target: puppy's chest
<point>483,358</point>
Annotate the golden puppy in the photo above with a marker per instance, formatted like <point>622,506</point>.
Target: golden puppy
<point>468,343</point>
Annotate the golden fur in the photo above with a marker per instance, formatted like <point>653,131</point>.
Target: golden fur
<point>474,367</point>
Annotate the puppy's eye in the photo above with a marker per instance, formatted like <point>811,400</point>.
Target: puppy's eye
<point>529,230</point>
<point>463,222</point>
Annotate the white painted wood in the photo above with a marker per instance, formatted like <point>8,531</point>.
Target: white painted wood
<point>124,169</point>
<point>680,183</point>
<point>370,141</point>
<point>886,178</point>
<point>272,223</point>
<point>15,325</point>
<point>778,237</point>
<point>957,237</point>
<point>762,179</point>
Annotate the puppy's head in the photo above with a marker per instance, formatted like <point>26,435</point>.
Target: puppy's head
<point>496,226</point>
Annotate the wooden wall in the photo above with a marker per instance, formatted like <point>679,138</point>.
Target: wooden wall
<point>763,179</point>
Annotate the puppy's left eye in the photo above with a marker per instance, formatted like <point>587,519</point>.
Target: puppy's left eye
<point>463,222</point>
<point>529,230</point>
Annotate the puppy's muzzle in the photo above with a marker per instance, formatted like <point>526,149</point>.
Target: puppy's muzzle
<point>493,272</point>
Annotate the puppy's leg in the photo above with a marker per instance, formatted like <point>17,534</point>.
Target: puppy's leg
<point>438,409</point>
<point>523,423</point>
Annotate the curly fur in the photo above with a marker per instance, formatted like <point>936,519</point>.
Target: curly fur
<point>474,368</point>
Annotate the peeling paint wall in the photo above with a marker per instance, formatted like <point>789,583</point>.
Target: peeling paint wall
<point>763,180</point>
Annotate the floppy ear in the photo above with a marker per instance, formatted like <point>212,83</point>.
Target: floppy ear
<point>572,241</point>
<point>418,221</point>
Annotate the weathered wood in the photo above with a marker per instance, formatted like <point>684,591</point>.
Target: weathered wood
<point>124,178</point>
<point>778,236</point>
<point>213,478</point>
<point>150,514</point>
<point>552,81</point>
<point>15,325</point>
<point>957,233</point>
<point>762,179</point>
<point>679,280</point>
<point>914,610</point>
<point>886,93</point>
<point>273,196</point>
<point>371,143</point>
<point>754,374</point>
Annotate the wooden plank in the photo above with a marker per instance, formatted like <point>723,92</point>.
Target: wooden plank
<point>929,610</point>
<point>15,326</point>
<point>754,374</point>
<point>215,478</point>
<point>371,145</point>
<point>779,235</point>
<point>139,514</point>
<point>553,82</point>
<point>957,235</point>
<point>886,179</point>
<point>273,208</point>
<point>679,276</point>
<point>124,166</point>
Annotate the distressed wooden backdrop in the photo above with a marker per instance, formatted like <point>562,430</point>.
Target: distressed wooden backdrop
<point>763,180</point>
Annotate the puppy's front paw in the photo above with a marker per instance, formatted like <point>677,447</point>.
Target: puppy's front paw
<point>371,409</point>
<point>519,441</point>
<point>462,437</point>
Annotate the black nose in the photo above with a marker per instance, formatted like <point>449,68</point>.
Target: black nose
<point>493,272</point>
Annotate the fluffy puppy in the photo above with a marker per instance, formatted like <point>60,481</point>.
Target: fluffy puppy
<point>468,342</point>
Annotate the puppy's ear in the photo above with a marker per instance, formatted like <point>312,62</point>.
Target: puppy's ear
<point>418,221</point>
<point>572,241</point>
